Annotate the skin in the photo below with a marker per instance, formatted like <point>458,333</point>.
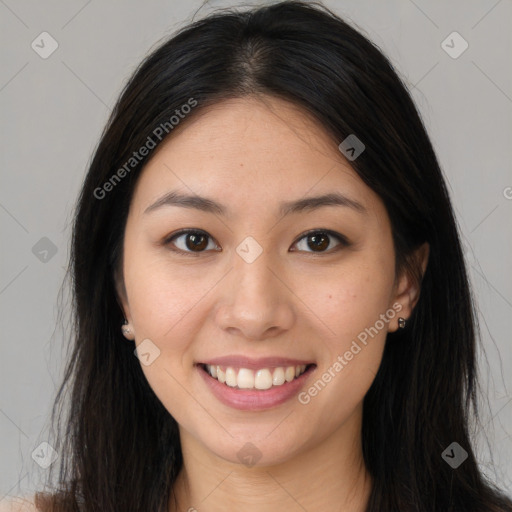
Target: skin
<point>250,154</point>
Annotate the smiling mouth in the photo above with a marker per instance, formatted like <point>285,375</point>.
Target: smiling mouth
<point>261,379</point>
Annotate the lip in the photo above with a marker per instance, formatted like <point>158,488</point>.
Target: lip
<point>240,361</point>
<point>253,399</point>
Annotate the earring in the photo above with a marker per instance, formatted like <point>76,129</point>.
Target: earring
<point>401,322</point>
<point>126,330</point>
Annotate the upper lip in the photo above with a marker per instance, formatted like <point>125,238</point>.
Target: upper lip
<point>255,363</point>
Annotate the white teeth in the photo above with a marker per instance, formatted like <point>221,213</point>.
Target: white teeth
<point>278,377</point>
<point>263,378</point>
<point>221,375</point>
<point>245,379</point>
<point>230,377</point>
<point>289,374</point>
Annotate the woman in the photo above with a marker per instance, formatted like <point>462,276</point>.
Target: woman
<point>265,226</point>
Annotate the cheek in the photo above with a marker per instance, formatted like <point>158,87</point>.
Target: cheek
<point>161,299</point>
<point>163,303</point>
<point>352,298</point>
<point>352,309</point>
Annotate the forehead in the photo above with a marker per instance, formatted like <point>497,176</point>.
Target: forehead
<point>249,152</point>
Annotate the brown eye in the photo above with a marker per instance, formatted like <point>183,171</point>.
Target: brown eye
<point>318,241</point>
<point>191,241</point>
<point>196,241</point>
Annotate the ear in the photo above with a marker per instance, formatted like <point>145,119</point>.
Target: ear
<point>120,291</point>
<point>121,297</point>
<point>408,285</point>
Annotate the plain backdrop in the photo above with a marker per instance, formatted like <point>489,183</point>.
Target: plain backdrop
<point>53,110</point>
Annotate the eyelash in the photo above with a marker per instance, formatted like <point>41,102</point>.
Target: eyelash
<point>341,238</point>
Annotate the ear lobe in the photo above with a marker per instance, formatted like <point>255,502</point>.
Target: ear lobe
<point>408,288</point>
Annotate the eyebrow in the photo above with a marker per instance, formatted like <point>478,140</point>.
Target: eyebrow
<point>205,204</point>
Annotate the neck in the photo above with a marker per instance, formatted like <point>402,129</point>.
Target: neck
<point>329,476</point>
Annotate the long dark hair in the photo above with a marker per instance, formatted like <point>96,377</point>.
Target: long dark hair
<point>121,448</point>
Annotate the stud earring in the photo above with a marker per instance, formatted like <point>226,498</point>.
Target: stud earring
<point>126,330</point>
<point>401,322</point>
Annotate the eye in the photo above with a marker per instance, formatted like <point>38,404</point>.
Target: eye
<point>194,241</point>
<point>319,239</point>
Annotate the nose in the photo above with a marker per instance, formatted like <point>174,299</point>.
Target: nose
<point>257,302</point>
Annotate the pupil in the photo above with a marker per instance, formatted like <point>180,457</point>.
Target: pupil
<point>320,241</point>
<point>194,238</point>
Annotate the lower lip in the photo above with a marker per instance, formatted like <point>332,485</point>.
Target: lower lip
<point>254,399</point>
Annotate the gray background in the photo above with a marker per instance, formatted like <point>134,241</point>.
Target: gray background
<point>53,111</point>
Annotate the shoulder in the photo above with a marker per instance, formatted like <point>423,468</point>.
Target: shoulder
<point>18,504</point>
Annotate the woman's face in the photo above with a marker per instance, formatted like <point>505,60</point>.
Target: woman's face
<point>249,292</point>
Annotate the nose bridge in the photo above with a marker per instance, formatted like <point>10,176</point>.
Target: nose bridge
<point>257,300</point>
<point>253,278</point>
<point>252,270</point>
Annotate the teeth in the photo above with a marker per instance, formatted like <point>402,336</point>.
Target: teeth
<point>278,377</point>
<point>245,379</point>
<point>231,377</point>
<point>263,378</point>
<point>289,374</point>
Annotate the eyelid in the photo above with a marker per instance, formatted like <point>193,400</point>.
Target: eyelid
<point>342,239</point>
<point>167,242</point>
